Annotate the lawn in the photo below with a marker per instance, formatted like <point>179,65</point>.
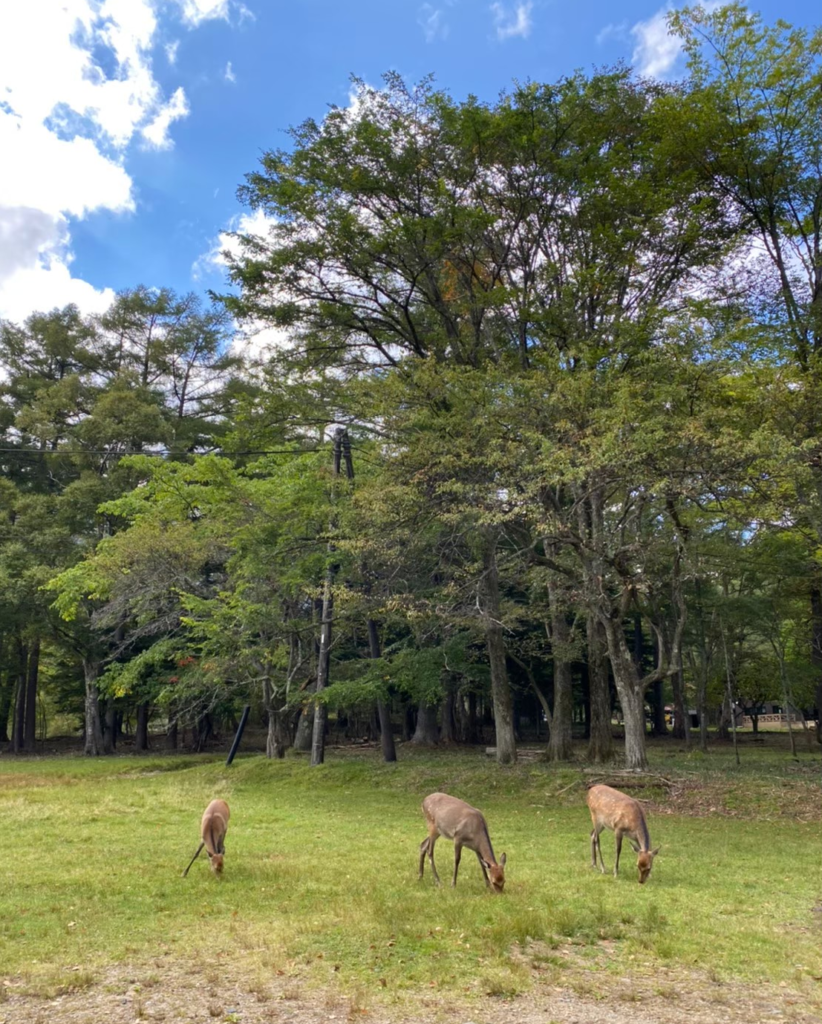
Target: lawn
<point>320,885</point>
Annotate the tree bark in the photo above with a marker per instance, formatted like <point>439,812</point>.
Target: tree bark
<point>323,665</point>
<point>389,750</point>
<point>324,656</point>
<point>141,735</point>
<point>30,732</point>
<point>816,652</point>
<point>500,688</point>
<point>426,732</point>
<point>560,747</point>
<point>109,726</point>
<point>631,694</point>
<point>601,743</point>
<point>19,721</point>
<point>6,700</point>
<point>94,733</point>
<point>682,721</point>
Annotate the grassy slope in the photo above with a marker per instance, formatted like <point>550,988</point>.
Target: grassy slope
<point>321,871</point>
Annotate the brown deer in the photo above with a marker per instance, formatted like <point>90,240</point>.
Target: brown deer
<point>457,820</point>
<point>213,828</point>
<point>623,815</point>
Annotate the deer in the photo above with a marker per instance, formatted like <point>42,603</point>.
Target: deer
<point>447,816</point>
<point>213,828</point>
<point>624,817</point>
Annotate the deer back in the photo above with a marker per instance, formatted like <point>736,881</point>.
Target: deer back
<point>618,812</point>
<point>214,826</point>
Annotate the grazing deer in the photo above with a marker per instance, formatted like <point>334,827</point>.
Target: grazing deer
<point>623,815</point>
<point>457,820</point>
<point>213,828</point>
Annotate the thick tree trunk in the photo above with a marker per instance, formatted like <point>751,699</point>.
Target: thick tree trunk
<point>500,688</point>
<point>30,732</point>
<point>141,735</point>
<point>389,750</point>
<point>601,743</point>
<point>94,733</point>
<point>631,694</point>
<point>560,747</point>
<point>426,732</point>
<point>302,734</point>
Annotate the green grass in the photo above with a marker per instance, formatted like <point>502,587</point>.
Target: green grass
<point>321,887</point>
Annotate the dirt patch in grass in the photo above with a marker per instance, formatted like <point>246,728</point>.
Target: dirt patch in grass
<point>567,988</point>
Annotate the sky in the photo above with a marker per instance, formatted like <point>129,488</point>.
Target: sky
<point>126,126</point>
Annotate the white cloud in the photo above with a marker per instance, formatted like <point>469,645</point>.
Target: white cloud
<point>432,22</point>
<point>156,133</point>
<point>171,51</point>
<point>195,12</point>
<point>228,74</point>
<point>214,260</point>
<point>67,120</point>
<point>511,23</point>
<point>656,52</point>
<point>612,31</point>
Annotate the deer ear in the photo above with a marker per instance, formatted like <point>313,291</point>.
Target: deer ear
<point>656,851</point>
<point>502,861</point>
<point>484,862</point>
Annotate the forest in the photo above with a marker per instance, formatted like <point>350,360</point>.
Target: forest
<point>509,422</point>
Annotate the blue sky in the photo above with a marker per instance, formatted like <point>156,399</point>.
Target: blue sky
<point>127,125</point>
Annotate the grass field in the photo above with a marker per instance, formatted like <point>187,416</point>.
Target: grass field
<point>320,886</point>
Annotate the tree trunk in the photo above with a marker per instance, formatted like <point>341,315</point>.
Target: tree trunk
<point>448,729</point>
<point>141,736</point>
<point>30,734</point>
<point>601,743</point>
<point>94,733</point>
<point>172,727</point>
<point>682,723</point>
<point>631,694</point>
<point>277,736</point>
<point>426,732</point>
<point>473,735</point>
<point>408,723</point>
<point>109,726</point>
<point>500,688</point>
<point>816,651</point>
<point>19,721</point>
<point>302,734</point>
<point>6,700</point>
<point>323,665</point>
<point>559,742</point>
<point>389,750</point>
<point>658,704</point>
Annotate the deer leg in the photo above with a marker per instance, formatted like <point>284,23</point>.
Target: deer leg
<point>596,847</point>
<point>431,841</point>
<point>457,855</point>
<point>423,851</point>
<point>618,851</point>
<point>484,872</point>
